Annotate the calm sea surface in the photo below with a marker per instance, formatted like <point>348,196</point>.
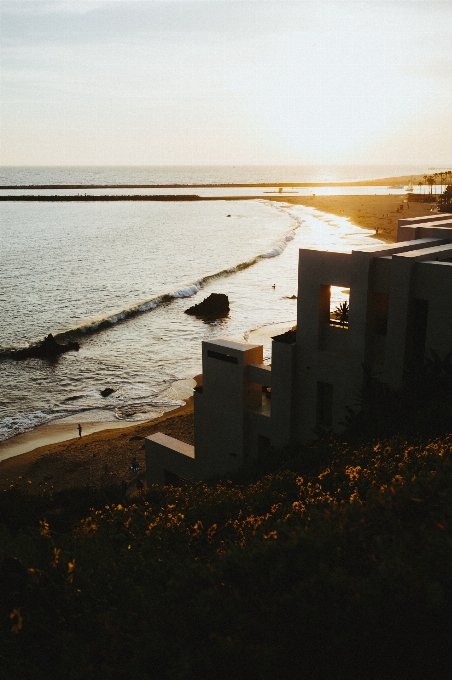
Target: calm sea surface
<point>119,276</point>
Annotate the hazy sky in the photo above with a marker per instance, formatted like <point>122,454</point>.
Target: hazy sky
<point>159,82</point>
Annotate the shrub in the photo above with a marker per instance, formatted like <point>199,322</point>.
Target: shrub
<point>333,571</point>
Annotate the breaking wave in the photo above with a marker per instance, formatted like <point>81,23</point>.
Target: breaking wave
<point>191,289</point>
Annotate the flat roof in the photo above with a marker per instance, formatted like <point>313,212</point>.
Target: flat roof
<point>426,252</point>
<point>413,221</point>
<point>400,246</point>
<point>231,343</point>
<point>173,444</point>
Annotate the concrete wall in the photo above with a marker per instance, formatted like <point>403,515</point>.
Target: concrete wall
<point>433,282</point>
<point>401,320</point>
<point>319,361</point>
<point>283,392</point>
<point>166,454</point>
<point>226,394</point>
<point>382,324</point>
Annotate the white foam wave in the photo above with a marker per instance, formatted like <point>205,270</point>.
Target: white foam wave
<point>276,250</point>
<point>188,291</point>
<point>149,305</point>
<point>12,426</point>
<point>116,317</point>
<point>279,247</point>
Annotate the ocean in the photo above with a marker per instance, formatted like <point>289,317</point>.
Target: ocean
<point>118,277</point>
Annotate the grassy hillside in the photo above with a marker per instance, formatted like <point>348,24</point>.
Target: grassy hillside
<point>344,569</point>
<point>329,561</point>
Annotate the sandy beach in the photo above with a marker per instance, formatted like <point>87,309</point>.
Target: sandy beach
<point>47,456</point>
<point>370,212</point>
<point>102,457</point>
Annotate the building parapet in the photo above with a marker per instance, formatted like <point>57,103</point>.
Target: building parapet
<point>166,456</point>
<point>260,374</point>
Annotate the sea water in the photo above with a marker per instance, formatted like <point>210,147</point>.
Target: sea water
<point>118,277</point>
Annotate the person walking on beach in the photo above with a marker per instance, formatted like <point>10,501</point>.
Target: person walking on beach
<point>79,430</point>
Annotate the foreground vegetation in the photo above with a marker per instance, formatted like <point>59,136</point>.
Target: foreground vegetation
<point>332,561</point>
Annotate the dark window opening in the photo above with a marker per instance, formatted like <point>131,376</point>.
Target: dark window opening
<point>324,404</point>
<point>222,357</point>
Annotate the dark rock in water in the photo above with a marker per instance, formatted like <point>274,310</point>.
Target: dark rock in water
<point>216,306</point>
<point>107,391</point>
<point>47,349</point>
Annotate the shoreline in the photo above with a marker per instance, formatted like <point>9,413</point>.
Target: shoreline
<point>375,212</point>
<point>102,456</point>
<point>56,432</point>
<point>33,453</point>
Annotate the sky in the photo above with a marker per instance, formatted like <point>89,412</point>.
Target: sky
<point>225,82</point>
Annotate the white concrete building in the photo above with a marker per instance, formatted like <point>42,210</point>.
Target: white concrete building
<point>400,307</point>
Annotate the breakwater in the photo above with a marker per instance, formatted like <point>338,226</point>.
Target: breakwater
<point>136,197</point>
<point>116,197</point>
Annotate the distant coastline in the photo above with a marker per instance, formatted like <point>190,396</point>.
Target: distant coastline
<point>384,181</point>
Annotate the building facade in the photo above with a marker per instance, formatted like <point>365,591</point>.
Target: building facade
<point>400,307</point>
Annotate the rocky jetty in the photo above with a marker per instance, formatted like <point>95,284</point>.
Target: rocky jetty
<point>49,348</point>
<point>216,306</point>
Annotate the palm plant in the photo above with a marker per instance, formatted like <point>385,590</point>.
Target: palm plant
<point>341,313</point>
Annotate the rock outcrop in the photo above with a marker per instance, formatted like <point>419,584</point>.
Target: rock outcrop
<point>107,391</point>
<point>49,348</point>
<point>216,306</point>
